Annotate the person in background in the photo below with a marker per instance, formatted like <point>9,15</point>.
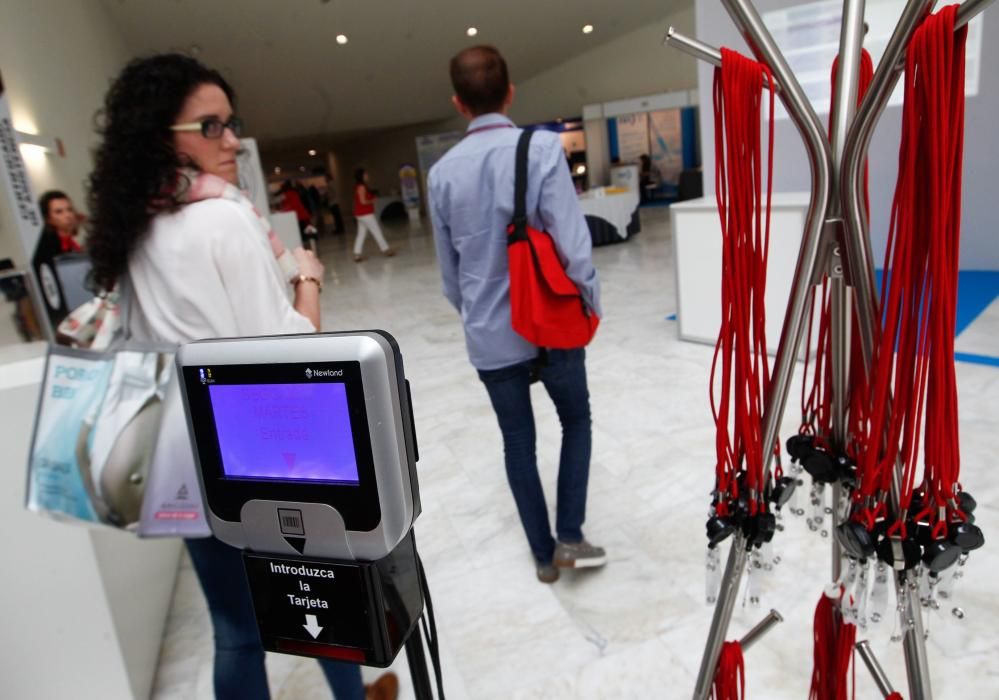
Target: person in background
<point>58,237</point>
<point>202,263</point>
<point>364,210</point>
<point>61,219</point>
<point>471,193</point>
<point>332,201</point>
<point>291,201</point>
<point>647,178</point>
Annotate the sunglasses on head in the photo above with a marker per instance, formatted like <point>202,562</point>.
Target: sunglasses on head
<point>212,127</point>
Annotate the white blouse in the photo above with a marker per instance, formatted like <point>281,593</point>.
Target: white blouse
<point>206,271</point>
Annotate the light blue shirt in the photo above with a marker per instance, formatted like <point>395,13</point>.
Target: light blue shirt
<point>471,204</point>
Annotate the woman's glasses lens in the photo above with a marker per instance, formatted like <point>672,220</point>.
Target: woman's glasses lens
<point>213,128</point>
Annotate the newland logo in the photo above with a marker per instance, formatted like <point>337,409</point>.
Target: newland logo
<point>322,373</point>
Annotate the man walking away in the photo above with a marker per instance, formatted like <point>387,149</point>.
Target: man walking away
<point>471,202</point>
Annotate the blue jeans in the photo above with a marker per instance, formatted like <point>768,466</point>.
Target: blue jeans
<point>564,378</point>
<point>239,657</point>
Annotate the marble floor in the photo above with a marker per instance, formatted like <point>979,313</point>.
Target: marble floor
<point>636,628</point>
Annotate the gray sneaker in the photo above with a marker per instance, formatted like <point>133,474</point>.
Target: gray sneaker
<point>547,573</point>
<point>578,555</point>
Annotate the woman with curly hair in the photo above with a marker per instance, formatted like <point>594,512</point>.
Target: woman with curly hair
<point>200,262</point>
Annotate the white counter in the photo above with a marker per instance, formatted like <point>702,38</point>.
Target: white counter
<point>83,610</point>
<point>616,206</point>
<point>697,255</point>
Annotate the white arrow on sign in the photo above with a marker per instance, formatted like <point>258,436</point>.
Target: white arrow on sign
<point>312,626</point>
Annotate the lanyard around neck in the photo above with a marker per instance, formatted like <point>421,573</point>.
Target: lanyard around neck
<point>488,127</point>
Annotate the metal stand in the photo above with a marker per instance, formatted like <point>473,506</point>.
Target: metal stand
<point>417,660</point>
<point>835,243</point>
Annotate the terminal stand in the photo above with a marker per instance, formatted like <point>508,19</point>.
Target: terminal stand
<point>357,612</point>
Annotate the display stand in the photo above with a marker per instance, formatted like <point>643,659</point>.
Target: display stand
<point>836,243</point>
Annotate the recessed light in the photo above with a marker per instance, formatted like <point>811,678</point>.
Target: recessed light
<point>341,39</point>
<point>301,168</point>
<point>312,151</point>
<point>277,171</point>
<point>471,31</point>
<point>580,169</point>
<point>587,28</point>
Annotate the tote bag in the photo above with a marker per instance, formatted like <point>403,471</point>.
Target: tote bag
<point>110,444</point>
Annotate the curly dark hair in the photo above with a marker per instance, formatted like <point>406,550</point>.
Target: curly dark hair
<point>135,173</point>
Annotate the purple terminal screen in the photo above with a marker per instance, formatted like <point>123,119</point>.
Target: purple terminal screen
<point>295,432</point>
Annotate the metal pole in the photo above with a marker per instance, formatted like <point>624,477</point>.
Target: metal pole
<point>917,666</point>
<point>761,628</point>
<point>871,661</point>
<point>693,47</point>
<point>697,49</point>
<point>967,11</point>
<point>817,147</point>
<point>727,594</point>
<point>860,264</point>
<point>844,108</point>
<point>800,110</point>
<point>859,256</point>
<point>417,661</point>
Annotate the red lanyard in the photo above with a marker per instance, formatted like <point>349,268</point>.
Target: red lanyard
<point>741,350</point>
<point>914,363</point>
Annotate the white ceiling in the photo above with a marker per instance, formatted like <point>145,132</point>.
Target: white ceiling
<point>295,81</point>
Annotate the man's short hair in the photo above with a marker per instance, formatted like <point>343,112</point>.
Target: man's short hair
<point>480,79</point>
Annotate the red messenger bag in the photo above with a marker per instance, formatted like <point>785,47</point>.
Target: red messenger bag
<point>546,306</point>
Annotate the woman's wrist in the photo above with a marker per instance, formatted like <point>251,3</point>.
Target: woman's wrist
<point>298,280</point>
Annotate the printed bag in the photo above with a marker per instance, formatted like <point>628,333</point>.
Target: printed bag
<point>110,443</point>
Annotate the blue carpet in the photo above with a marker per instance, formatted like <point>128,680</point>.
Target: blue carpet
<point>975,291</point>
<point>976,359</point>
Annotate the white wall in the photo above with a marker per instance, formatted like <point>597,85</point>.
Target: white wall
<point>57,59</point>
<point>979,247</point>
<point>631,65</point>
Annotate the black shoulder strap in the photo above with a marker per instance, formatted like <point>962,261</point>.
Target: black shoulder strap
<point>520,189</point>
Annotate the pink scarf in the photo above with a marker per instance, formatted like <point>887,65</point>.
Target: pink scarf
<point>195,186</point>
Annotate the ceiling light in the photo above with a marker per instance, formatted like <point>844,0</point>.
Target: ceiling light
<point>341,39</point>
<point>277,171</point>
<point>301,168</point>
<point>42,144</point>
<point>312,151</point>
<point>580,169</point>
<point>587,28</point>
<point>471,31</point>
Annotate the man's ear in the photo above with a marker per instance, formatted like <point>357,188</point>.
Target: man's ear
<point>460,107</point>
<point>509,95</point>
